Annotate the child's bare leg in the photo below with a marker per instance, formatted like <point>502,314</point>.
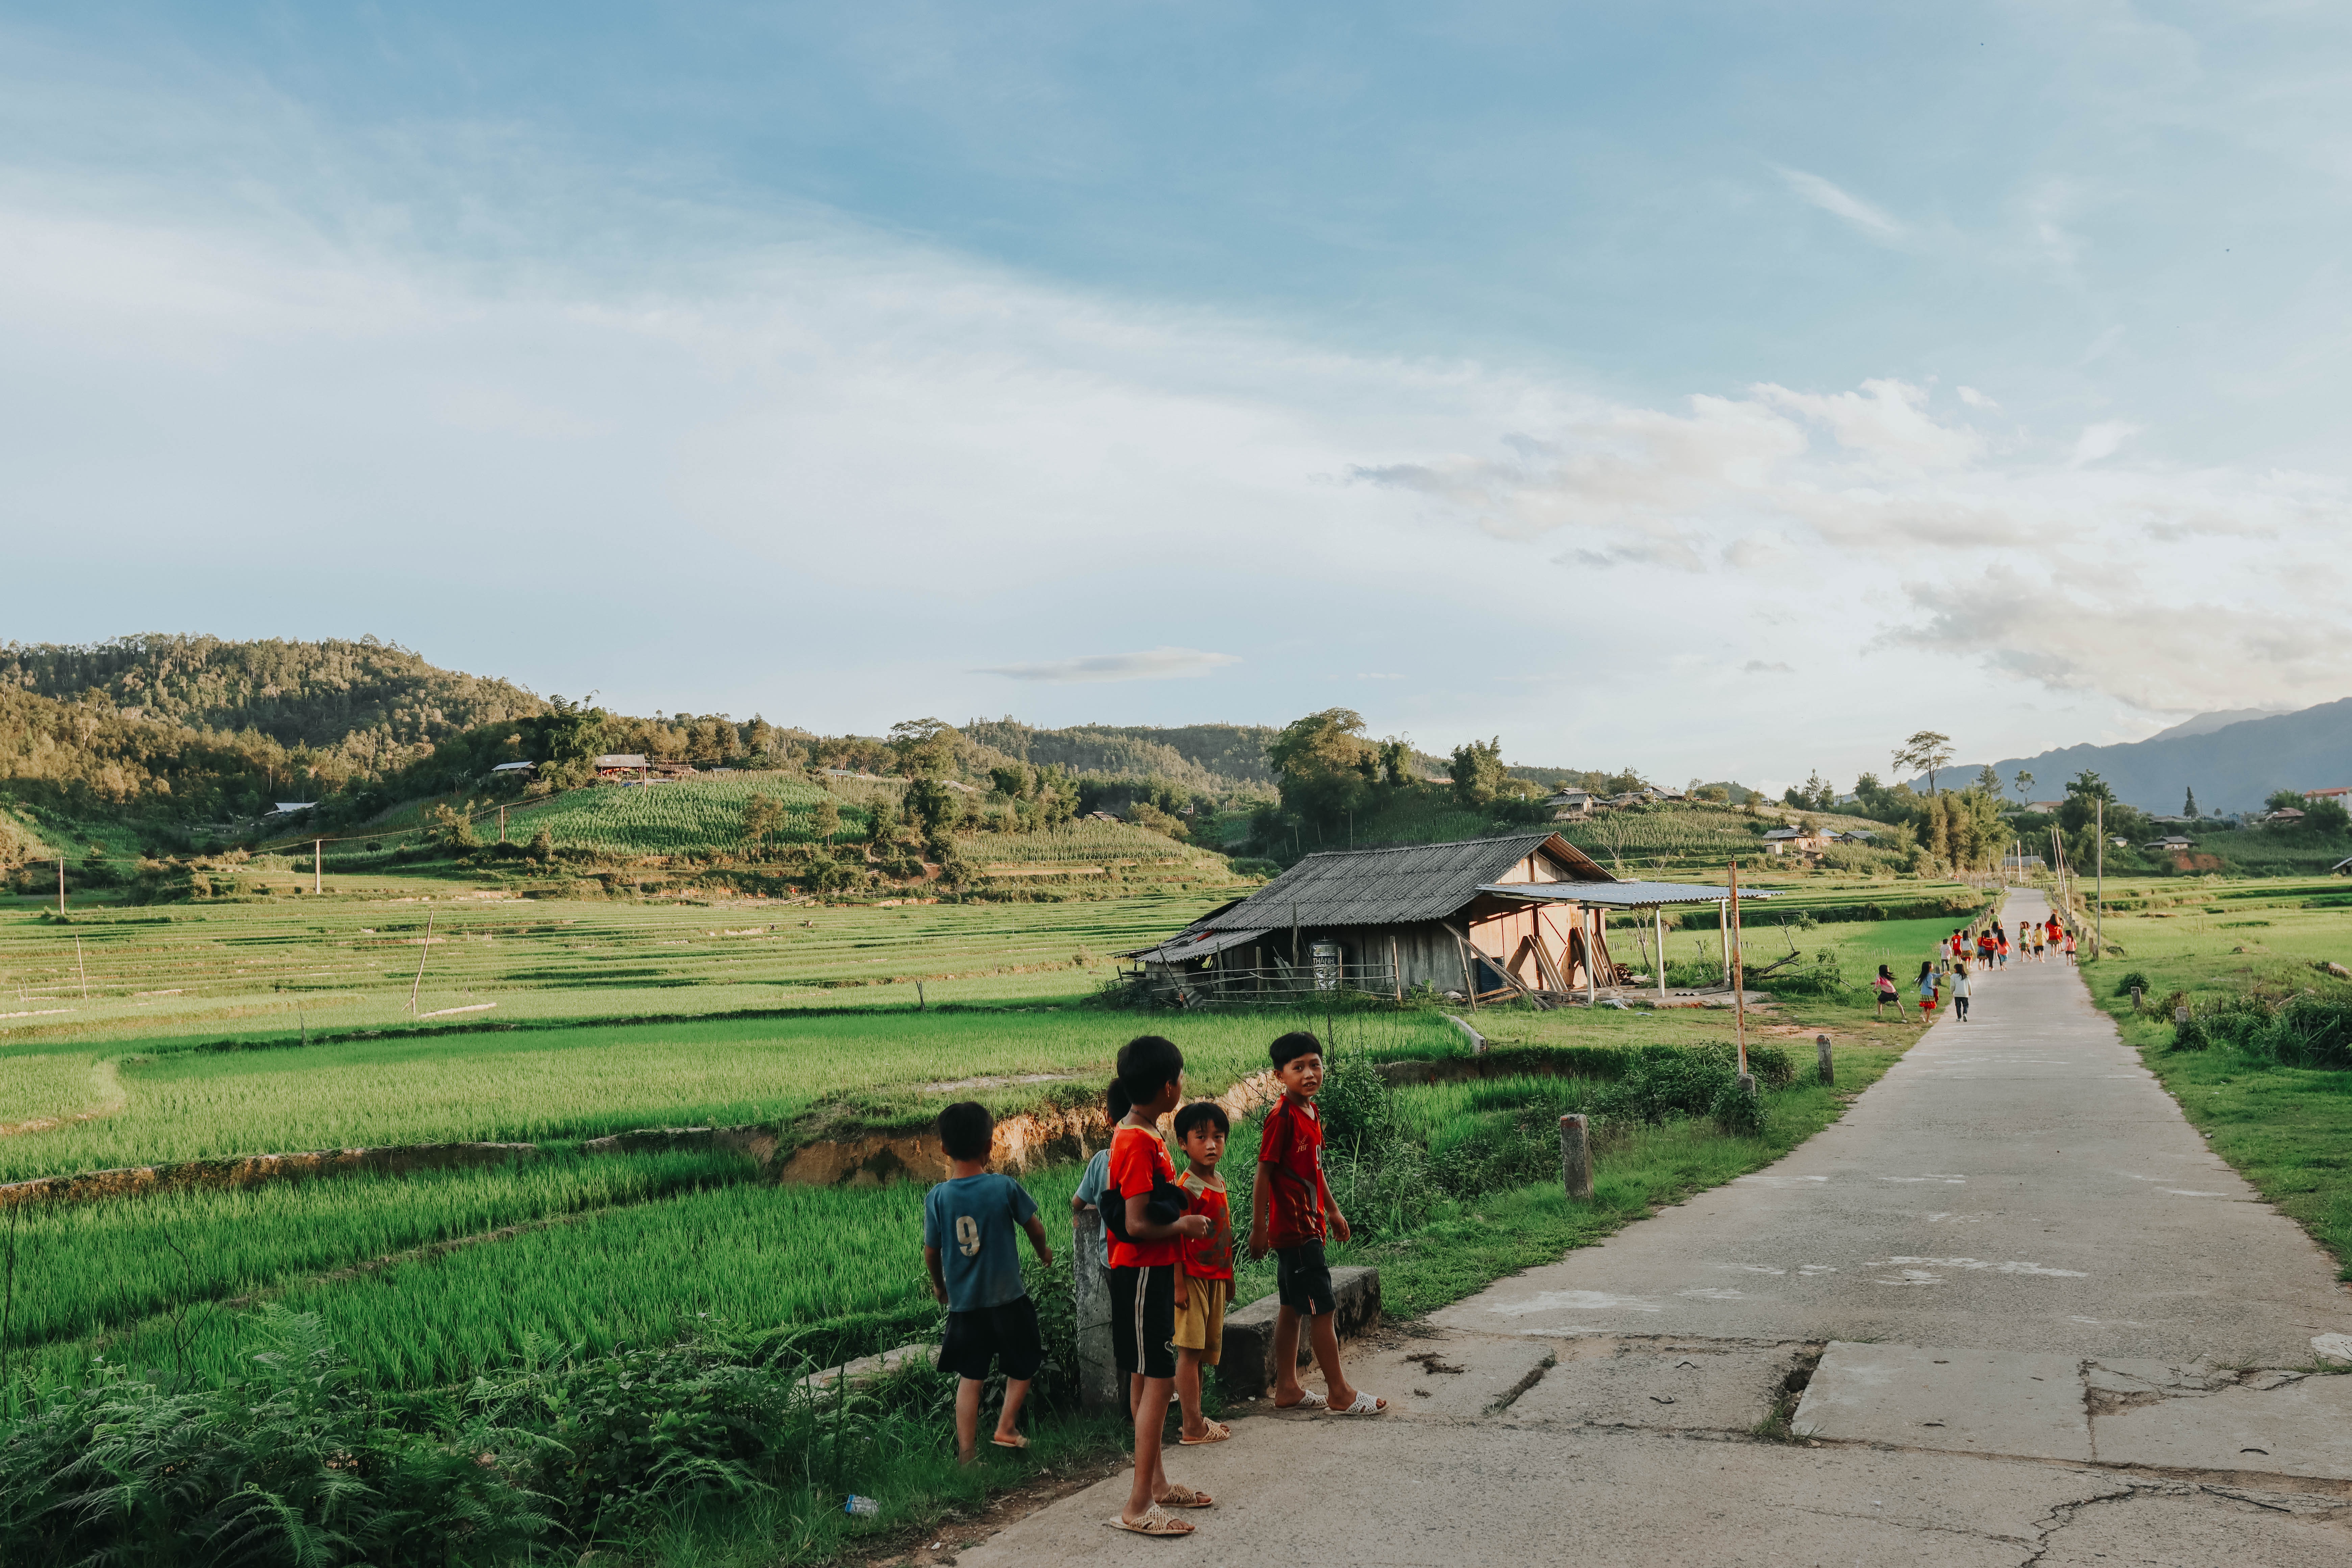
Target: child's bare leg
<point>1323,1333</point>
<point>1150,1415</point>
<point>1286,1389</point>
<point>1008,1426</point>
<point>967,1418</point>
<point>1188,1392</point>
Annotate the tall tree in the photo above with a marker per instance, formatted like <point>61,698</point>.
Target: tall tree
<point>925,747</point>
<point>761,817</point>
<point>1926,751</point>
<point>1477,771</point>
<point>2188,806</point>
<point>2023,783</point>
<point>1323,765</point>
<point>1989,781</point>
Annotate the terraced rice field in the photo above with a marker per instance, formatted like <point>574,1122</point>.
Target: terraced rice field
<point>343,963</point>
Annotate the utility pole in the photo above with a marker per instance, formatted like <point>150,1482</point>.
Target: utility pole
<point>61,884</point>
<point>1739,986</point>
<point>317,865</point>
<point>502,825</point>
<point>2099,915</point>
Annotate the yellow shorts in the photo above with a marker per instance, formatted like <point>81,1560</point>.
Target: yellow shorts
<point>1200,1317</point>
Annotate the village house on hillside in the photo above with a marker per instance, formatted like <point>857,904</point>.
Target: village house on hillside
<point>1492,917</point>
<point>1569,804</point>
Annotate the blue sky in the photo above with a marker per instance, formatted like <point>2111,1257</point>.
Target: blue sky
<point>1716,389</point>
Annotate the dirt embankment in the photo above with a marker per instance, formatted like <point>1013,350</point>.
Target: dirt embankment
<point>259,1170</point>
<point>1024,1141</point>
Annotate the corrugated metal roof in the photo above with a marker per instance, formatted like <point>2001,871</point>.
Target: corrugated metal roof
<point>1191,944</point>
<point>1393,886</point>
<point>1619,895</point>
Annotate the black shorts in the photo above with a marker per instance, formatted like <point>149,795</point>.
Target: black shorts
<point>1302,1280</point>
<point>1006,1334</point>
<point>1143,1320</point>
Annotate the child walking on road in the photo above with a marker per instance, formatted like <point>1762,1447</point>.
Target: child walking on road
<point>975,1268</point>
<point>1961,991</point>
<point>1926,990</point>
<point>1289,1207</point>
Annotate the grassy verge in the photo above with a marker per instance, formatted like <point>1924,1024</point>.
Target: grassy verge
<point>2210,943</point>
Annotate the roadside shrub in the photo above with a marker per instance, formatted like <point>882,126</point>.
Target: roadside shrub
<point>1663,1081</point>
<point>2299,1031</point>
<point>1736,1113</point>
<point>2132,981</point>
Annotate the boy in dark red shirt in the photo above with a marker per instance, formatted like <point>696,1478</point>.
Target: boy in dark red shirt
<point>1207,1286</point>
<point>1288,1205</point>
<point>1144,1266</point>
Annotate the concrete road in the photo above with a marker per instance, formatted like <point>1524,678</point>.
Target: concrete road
<point>2018,1182</point>
<point>2009,1311</point>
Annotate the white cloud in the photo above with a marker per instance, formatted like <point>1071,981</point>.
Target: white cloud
<point>2103,440</point>
<point>1152,664</point>
<point>1759,666</point>
<point>1975,399</point>
<point>1873,222</point>
<point>2177,654</point>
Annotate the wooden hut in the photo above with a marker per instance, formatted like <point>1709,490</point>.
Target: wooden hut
<point>1509,916</point>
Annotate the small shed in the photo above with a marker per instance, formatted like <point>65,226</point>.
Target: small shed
<point>512,770</point>
<point>1513,915</point>
<point>617,765</point>
<point>1782,840</point>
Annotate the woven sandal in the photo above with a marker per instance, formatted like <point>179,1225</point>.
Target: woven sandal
<point>1156,1520</point>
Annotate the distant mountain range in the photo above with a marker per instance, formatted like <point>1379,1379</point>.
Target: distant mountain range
<point>2232,759</point>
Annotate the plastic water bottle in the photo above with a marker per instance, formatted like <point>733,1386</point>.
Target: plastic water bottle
<point>863,1507</point>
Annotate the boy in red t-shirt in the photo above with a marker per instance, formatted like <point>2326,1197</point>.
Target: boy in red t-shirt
<point>1202,1128</point>
<point>1143,1273</point>
<point>1288,1205</point>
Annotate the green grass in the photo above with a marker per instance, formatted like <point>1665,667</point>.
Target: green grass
<point>1079,844</point>
<point>2288,1131</point>
<point>746,1256</point>
<point>565,1083</point>
<point>350,962</point>
<point>80,1268</point>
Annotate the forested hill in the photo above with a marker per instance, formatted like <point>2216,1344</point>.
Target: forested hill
<point>373,702</point>
<point>1198,756</point>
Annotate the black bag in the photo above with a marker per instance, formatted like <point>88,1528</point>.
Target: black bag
<point>1164,1204</point>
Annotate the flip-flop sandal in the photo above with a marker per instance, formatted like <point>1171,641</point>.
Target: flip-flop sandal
<point>1012,1442</point>
<point>1218,1433</point>
<point>1182,1496</point>
<point>1155,1522</point>
<point>1366,1405</point>
<point>1310,1400</point>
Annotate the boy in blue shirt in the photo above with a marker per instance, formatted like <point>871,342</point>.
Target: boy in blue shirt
<point>975,1268</point>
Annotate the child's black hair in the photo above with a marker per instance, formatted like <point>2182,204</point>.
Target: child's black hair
<point>1146,1065</point>
<point>1199,1111</point>
<point>967,1131</point>
<point>1291,1046</point>
<point>1116,1103</point>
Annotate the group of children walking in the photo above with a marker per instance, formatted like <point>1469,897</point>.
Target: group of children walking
<point>1168,1255</point>
<point>1950,974</point>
